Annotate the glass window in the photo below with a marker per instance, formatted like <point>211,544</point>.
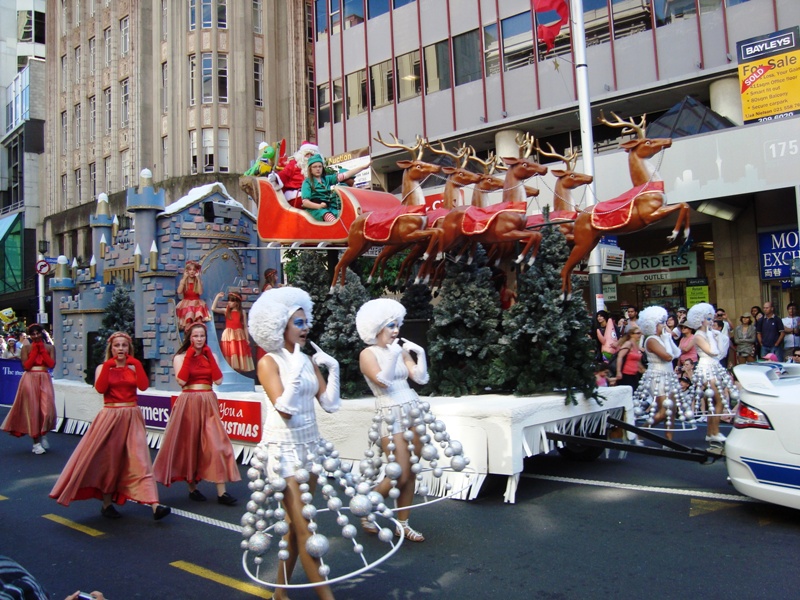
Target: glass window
<point>107,45</point>
<point>192,15</point>
<point>93,179</point>
<point>353,13</point>
<point>24,26</point>
<point>323,105</point>
<point>666,11</point>
<point>165,157</point>
<point>164,19</point>
<point>64,132</point>
<point>92,117</point>
<point>92,55</point>
<point>437,67</point>
<point>321,17</point>
<point>76,14</point>
<point>77,118</point>
<point>39,28</point>
<point>517,41</point>
<point>78,184</point>
<point>64,73</point>
<point>338,101</point>
<point>356,90</point>
<point>192,79</point>
<point>207,85</point>
<point>629,20</point>
<point>222,14</point>
<point>193,152</point>
<point>107,102</point>
<point>77,64</point>
<point>223,149</point>
<point>164,87</point>
<point>107,173</point>
<point>399,3</point>
<point>258,80</point>
<point>408,76</point>
<point>205,10</point>
<point>467,57</point>
<point>336,17</point>
<point>222,77</point>
<point>382,84</point>
<point>208,150</point>
<point>491,50</point>
<point>312,92</point>
<point>64,191</point>
<point>376,8</point>
<point>258,12</point>
<point>125,98</point>
<point>125,168</point>
<point>124,36</point>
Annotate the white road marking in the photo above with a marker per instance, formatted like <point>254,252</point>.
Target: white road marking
<point>207,520</point>
<point>644,488</point>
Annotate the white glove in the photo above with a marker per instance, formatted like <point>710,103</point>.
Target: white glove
<point>329,400</point>
<point>288,400</point>
<point>420,372</point>
<point>712,342</point>
<point>386,376</point>
<point>275,180</point>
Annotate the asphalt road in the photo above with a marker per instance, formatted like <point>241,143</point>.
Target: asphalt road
<point>639,527</point>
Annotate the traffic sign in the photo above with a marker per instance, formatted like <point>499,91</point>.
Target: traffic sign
<point>42,267</point>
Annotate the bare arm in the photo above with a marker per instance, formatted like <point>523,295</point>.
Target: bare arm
<point>214,308</point>
<point>369,367</point>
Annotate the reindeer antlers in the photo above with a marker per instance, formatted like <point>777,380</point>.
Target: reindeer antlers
<point>627,126</point>
<point>459,159</point>
<point>525,144</point>
<point>489,165</point>
<point>569,160</point>
<point>416,150</point>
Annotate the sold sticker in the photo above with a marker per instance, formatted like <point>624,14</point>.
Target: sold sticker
<point>760,71</point>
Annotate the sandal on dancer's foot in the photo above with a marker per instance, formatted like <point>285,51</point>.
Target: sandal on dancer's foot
<point>369,526</point>
<point>412,535</point>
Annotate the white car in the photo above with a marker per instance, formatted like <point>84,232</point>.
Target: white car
<point>763,450</point>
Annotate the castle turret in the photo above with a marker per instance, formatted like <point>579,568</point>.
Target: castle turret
<point>101,224</point>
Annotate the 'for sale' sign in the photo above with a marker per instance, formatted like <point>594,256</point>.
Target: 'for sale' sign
<point>769,74</point>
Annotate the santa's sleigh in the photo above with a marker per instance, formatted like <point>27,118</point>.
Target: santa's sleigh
<point>280,222</point>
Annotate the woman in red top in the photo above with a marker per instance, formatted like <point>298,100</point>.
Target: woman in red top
<point>234,345</point>
<point>34,410</point>
<point>112,461</point>
<point>629,359</point>
<point>195,444</point>
<point>191,309</point>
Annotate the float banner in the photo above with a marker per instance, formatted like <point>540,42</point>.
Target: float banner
<point>155,410</point>
<point>10,373</point>
<point>658,268</point>
<point>769,74</point>
<point>776,250</point>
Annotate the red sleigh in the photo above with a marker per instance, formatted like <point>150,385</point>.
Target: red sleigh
<point>279,222</point>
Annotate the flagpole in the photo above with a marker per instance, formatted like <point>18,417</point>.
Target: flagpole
<point>587,141</point>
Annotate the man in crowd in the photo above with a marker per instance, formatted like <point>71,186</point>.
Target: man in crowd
<point>770,332</point>
<point>791,330</point>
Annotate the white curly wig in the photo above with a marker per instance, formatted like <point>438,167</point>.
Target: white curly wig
<point>270,314</point>
<point>697,314</point>
<point>649,319</point>
<point>375,315</point>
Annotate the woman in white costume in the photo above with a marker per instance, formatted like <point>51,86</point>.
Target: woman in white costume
<point>401,421</point>
<point>659,397</point>
<point>711,383</point>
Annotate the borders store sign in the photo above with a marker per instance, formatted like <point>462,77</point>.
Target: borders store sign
<point>776,250</point>
<point>661,267</point>
<point>769,74</point>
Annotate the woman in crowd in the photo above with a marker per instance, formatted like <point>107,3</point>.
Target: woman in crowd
<point>712,386</point>
<point>195,445</point>
<point>112,460</point>
<point>234,345</point>
<point>659,395</point>
<point>34,410</point>
<point>673,329</point>
<point>629,358</point>
<point>191,309</point>
<point>399,423</point>
<point>279,322</point>
<point>606,334</point>
<point>318,198</point>
<point>686,345</point>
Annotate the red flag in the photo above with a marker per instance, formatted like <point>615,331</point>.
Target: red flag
<point>548,33</point>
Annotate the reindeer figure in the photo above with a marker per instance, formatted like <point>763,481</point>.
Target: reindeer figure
<point>488,182</point>
<point>563,205</point>
<point>415,171</point>
<point>642,206</point>
<point>518,170</point>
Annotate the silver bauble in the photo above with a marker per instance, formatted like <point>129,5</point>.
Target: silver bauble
<point>283,555</point>
<point>259,543</point>
<point>349,531</point>
<point>334,503</point>
<point>394,470</point>
<point>317,545</point>
<point>458,463</point>
<point>248,531</point>
<point>281,528</point>
<point>302,476</point>
<point>278,484</point>
<point>309,511</point>
<point>360,505</point>
<point>324,570</point>
<point>385,535</point>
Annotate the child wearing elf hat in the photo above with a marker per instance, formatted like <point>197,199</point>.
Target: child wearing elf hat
<point>318,197</point>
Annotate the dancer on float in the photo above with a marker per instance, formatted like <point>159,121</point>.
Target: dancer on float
<point>711,383</point>
<point>195,445</point>
<point>659,397</point>
<point>291,449</point>
<point>112,460</point>
<point>191,309</point>
<point>233,343</point>
<point>399,425</point>
<point>34,410</point>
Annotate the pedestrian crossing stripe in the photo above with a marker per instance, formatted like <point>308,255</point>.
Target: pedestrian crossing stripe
<point>73,525</point>
<point>230,582</point>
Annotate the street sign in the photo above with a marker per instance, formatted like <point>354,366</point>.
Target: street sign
<point>42,267</point>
